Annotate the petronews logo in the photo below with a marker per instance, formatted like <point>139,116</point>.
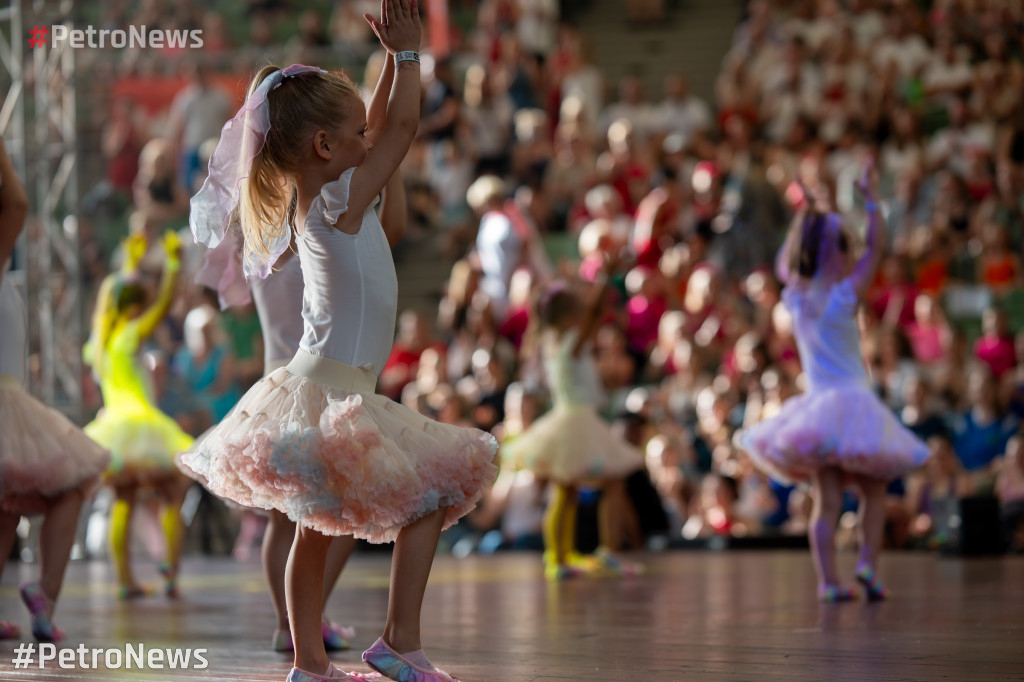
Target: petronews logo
<point>134,37</point>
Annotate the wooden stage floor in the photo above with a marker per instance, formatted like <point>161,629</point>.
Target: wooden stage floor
<point>692,616</point>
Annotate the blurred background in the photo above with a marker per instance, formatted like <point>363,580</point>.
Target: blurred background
<point>674,129</point>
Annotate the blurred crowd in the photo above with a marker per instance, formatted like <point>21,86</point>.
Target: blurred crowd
<point>528,167</point>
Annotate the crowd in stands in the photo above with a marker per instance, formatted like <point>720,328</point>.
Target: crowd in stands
<point>529,167</point>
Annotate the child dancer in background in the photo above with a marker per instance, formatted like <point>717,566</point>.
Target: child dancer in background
<point>278,300</point>
<point>47,465</point>
<point>571,444</point>
<point>143,440</point>
<point>312,439</point>
<point>838,430</point>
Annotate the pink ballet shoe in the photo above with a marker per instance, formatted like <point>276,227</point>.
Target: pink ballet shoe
<point>9,630</point>
<point>336,637</point>
<point>390,663</point>
<point>834,594</point>
<point>42,610</point>
<point>873,587</point>
<point>332,673</point>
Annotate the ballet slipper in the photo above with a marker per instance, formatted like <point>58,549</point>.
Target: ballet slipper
<point>873,587</point>
<point>330,675</point>
<point>834,594</point>
<point>335,637</point>
<point>9,630</point>
<point>390,663</point>
<point>42,610</point>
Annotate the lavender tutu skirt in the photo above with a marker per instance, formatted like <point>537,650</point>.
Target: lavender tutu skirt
<point>315,442</point>
<point>846,427</point>
<point>42,454</point>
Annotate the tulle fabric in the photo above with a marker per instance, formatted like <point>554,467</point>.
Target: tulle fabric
<point>143,442</point>
<point>572,444</point>
<point>341,462</point>
<point>42,454</point>
<point>844,427</point>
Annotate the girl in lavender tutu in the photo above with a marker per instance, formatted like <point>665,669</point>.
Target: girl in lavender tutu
<point>838,431</point>
<point>312,439</point>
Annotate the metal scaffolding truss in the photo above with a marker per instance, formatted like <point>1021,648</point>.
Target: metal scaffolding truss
<point>42,95</point>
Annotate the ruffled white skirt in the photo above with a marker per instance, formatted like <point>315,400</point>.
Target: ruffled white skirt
<point>314,441</point>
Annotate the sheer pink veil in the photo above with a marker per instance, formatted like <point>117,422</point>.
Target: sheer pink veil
<point>241,139</point>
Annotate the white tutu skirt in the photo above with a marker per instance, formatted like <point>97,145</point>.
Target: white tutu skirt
<point>313,441</point>
<point>847,427</point>
<point>42,454</point>
<point>571,444</point>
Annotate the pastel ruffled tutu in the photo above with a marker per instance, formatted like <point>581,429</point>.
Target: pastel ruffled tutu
<point>314,441</point>
<point>42,454</point>
<point>143,442</point>
<point>845,427</point>
<point>571,444</point>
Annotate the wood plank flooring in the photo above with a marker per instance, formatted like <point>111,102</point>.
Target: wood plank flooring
<point>692,616</point>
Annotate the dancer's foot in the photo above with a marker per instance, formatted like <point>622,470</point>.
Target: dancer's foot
<point>336,637</point>
<point>834,594</point>
<point>410,667</point>
<point>133,592</point>
<point>873,587</point>
<point>42,612</point>
<point>9,630</point>
<point>331,674</point>
<point>170,580</point>
<point>560,572</point>
<point>614,566</point>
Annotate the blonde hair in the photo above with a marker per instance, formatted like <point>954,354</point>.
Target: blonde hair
<point>299,106</point>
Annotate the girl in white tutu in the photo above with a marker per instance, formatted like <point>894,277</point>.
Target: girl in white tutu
<point>312,439</point>
<point>278,301</point>
<point>570,444</point>
<point>838,430</point>
<point>47,465</point>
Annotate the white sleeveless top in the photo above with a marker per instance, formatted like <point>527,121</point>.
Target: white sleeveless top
<point>13,339</point>
<point>278,300</point>
<point>350,301</point>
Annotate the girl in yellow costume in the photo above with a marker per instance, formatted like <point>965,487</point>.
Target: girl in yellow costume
<point>143,440</point>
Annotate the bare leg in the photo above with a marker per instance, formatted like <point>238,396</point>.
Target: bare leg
<point>55,540</point>
<point>337,556</point>
<point>828,497</point>
<point>872,519</point>
<point>304,580</point>
<point>277,543</point>
<point>410,568</point>
<point>8,531</point>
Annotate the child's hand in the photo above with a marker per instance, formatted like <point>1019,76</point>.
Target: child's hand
<point>172,247</point>
<point>399,26</point>
<point>134,246</point>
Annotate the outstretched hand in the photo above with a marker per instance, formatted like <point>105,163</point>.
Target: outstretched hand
<point>398,28</point>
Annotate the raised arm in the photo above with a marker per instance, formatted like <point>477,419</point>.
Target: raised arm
<point>594,310</point>
<point>399,32</point>
<point>377,108</point>
<point>149,320</point>
<point>785,255</point>
<point>13,207</point>
<point>867,266</point>
<point>393,210</point>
